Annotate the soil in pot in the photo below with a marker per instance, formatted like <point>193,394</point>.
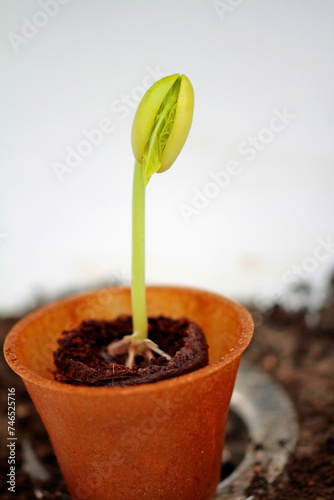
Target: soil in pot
<point>83,359</point>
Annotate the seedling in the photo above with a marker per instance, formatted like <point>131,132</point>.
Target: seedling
<point>159,131</point>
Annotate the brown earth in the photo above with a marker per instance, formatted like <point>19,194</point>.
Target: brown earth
<point>82,357</point>
<point>297,349</point>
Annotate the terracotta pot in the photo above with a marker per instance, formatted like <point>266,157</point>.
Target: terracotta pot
<point>161,440</point>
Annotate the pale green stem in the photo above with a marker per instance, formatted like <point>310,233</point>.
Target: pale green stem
<point>138,292</point>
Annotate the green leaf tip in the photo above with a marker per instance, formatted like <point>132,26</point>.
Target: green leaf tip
<point>162,123</point>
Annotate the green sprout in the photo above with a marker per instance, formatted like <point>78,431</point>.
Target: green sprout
<point>160,129</point>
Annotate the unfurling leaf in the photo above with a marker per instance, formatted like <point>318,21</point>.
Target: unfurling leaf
<point>161,124</point>
<point>160,132</point>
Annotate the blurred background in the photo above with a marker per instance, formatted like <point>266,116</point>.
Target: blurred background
<point>246,210</point>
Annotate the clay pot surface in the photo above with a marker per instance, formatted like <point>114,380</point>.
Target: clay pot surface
<point>161,440</point>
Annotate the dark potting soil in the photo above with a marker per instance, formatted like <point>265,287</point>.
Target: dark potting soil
<point>82,357</point>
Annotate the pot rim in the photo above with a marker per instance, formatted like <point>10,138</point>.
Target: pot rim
<point>30,376</point>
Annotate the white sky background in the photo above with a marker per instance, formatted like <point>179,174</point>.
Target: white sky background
<point>254,60</point>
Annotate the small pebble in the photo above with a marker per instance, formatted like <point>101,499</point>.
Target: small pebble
<point>22,411</point>
<point>269,362</point>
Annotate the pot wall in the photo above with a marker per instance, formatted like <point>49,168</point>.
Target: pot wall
<point>161,440</point>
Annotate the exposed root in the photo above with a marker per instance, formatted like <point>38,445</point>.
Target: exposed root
<point>133,348</point>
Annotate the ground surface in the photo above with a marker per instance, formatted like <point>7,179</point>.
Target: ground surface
<point>297,349</point>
